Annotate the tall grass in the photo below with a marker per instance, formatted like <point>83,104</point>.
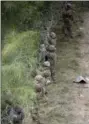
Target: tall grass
<point>18,60</point>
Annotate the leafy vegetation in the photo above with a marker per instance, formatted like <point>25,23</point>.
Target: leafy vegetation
<point>20,41</point>
<point>18,61</point>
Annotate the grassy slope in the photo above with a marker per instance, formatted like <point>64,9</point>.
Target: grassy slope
<point>18,61</point>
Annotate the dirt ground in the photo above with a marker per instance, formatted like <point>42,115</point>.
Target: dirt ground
<point>68,103</point>
<point>82,100</point>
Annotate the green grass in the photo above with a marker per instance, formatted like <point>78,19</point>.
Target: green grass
<point>18,61</point>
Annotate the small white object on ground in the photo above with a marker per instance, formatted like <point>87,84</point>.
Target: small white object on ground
<point>46,64</point>
<point>80,79</point>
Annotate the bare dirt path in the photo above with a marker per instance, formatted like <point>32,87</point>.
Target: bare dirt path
<point>82,101</point>
<point>68,103</point>
<point>84,46</point>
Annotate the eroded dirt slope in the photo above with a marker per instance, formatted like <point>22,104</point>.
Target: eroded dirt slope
<point>68,103</point>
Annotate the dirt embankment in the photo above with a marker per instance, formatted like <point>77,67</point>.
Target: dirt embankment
<point>82,97</point>
<point>68,103</point>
